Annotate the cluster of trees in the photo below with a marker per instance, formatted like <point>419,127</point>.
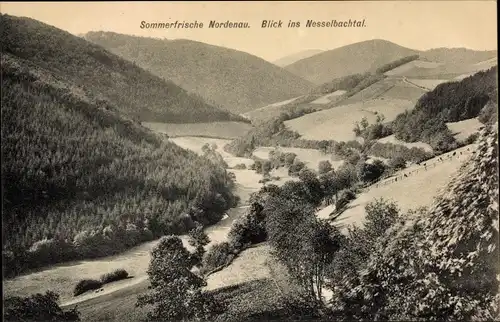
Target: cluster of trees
<point>131,89</point>
<point>448,102</point>
<point>396,63</point>
<point>374,131</point>
<point>80,180</point>
<point>175,293</point>
<point>278,159</point>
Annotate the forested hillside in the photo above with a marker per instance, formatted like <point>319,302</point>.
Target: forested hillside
<point>79,180</point>
<point>131,89</point>
<point>234,80</point>
<point>448,102</point>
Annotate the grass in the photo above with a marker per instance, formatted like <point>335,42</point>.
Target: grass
<point>430,84</point>
<point>392,139</point>
<point>223,130</point>
<point>247,285</point>
<point>195,144</point>
<point>337,123</point>
<point>386,89</point>
<point>463,129</point>
<point>329,98</point>
<point>444,71</point>
<point>416,190</point>
<point>63,277</point>
<point>311,157</point>
<point>249,265</point>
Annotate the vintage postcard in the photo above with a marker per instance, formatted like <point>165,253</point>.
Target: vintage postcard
<point>250,161</point>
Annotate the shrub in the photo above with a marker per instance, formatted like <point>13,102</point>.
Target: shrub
<point>218,255</point>
<point>472,138</point>
<point>240,166</point>
<point>116,275</point>
<point>324,167</point>
<point>86,285</point>
<point>397,163</point>
<point>296,167</point>
<point>343,199</point>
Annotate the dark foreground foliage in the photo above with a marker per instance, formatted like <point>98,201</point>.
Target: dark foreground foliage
<point>36,308</point>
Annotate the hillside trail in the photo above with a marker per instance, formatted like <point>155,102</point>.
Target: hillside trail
<point>62,277</point>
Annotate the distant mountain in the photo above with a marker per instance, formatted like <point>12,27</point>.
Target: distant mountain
<point>234,80</point>
<point>290,59</point>
<point>458,55</point>
<point>348,60</point>
<point>133,90</point>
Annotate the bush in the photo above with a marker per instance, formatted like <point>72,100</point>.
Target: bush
<point>397,163</point>
<point>324,167</point>
<point>218,255</point>
<point>86,285</point>
<point>472,138</point>
<point>240,166</point>
<point>343,199</point>
<point>296,167</point>
<point>116,275</point>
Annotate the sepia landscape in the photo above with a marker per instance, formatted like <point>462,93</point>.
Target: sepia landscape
<point>149,179</point>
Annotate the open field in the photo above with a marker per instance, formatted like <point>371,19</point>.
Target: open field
<point>415,64</point>
<point>392,139</point>
<point>328,98</point>
<point>337,123</point>
<point>311,157</point>
<point>387,89</point>
<point>416,190</point>
<point>463,129</point>
<point>422,69</point>
<point>249,265</point>
<point>195,144</point>
<point>429,84</point>
<point>248,269</point>
<point>226,130</point>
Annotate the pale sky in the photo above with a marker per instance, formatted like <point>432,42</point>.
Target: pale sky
<point>414,24</point>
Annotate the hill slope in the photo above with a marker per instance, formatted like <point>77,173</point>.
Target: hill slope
<point>134,91</point>
<point>80,180</point>
<point>458,55</point>
<point>347,60</point>
<point>442,265</point>
<point>290,59</point>
<point>234,80</point>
